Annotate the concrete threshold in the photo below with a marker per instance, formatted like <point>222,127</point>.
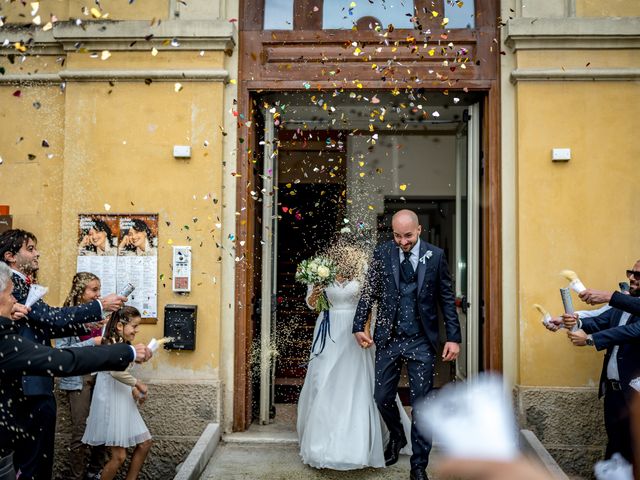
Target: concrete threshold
<point>268,438</point>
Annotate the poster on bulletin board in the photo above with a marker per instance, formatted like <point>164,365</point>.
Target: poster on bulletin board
<point>121,249</point>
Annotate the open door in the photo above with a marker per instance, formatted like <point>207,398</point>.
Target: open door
<point>269,273</point>
<point>467,241</point>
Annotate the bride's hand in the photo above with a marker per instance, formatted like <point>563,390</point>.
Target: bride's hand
<point>315,294</point>
<point>363,339</point>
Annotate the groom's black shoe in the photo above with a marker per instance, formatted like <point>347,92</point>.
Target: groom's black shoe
<point>392,451</point>
<point>418,474</point>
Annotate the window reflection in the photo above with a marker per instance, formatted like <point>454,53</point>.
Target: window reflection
<point>340,14</point>
<point>278,14</point>
<point>460,13</point>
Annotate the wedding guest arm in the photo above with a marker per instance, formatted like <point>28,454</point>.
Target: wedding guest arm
<point>626,303</point>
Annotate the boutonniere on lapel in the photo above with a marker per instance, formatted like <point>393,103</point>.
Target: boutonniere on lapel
<point>425,257</point>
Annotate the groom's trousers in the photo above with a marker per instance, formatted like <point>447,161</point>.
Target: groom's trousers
<point>418,354</point>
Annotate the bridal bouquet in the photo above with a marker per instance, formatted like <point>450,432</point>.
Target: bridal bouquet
<point>320,271</point>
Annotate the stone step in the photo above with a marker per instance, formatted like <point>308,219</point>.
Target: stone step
<point>260,461</point>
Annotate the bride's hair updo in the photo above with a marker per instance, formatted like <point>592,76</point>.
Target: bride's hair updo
<point>351,260</point>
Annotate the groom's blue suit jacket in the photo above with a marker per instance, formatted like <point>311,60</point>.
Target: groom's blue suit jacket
<point>434,289</point>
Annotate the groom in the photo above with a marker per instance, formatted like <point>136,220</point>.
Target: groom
<point>408,279</point>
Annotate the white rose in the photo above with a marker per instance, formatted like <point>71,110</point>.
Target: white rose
<point>323,272</point>
<point>313,266</point>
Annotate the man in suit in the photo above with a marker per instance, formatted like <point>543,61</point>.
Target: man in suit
<point>408,280</point>
<point>20,356</point>
<point>37,414</point>
<point>618,332</point>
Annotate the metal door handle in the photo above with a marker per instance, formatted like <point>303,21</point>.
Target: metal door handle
<point>461,303</point>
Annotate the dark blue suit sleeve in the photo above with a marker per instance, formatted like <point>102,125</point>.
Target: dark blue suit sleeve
<point>446,300</point>
<point>597,324</point>
<point>626,303</point>
<point>21,356</point>
<point>624,334</point>
<point>45,316</point>
<point>371,292</point>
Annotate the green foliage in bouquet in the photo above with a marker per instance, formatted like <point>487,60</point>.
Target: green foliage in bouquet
<point>320,271</point>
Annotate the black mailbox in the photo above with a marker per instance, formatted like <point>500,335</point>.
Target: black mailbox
<point>180,324</point>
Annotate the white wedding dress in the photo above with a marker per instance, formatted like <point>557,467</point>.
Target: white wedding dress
<point>339,426</point>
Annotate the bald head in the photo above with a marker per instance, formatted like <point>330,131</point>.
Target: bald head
<point>406,229</point>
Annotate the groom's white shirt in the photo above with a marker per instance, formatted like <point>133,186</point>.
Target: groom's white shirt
<point>415,254</point>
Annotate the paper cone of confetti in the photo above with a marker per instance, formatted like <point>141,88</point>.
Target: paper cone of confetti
<point>574,282</point>
<point>546,316</point>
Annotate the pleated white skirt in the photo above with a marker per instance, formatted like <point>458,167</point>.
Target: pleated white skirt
<point>114,419</point>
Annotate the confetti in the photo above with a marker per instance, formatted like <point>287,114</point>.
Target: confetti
<point>403,186</point>
<point>105,54</point>
<point>177,87</point>
<point>107,207</point>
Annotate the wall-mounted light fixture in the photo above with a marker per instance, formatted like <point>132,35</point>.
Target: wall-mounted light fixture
<point>181,151</point>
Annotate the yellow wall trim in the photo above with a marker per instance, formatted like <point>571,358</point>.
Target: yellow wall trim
<point>130,35</point>
<point>578,74</point>
<point>212,75</point>
<point>572,33</point>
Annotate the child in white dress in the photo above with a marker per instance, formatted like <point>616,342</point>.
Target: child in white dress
<point>114,419</point>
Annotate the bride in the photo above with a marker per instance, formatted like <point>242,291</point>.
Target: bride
<point>339,426</point>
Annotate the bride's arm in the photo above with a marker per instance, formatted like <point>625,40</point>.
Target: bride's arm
<point>313,292</point>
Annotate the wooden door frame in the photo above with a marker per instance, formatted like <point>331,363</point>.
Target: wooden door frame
<point>257,77</point>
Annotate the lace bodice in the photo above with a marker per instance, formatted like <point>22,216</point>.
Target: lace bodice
<point>342,295</point>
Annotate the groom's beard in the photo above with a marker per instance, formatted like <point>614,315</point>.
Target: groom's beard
<point>408,248</point>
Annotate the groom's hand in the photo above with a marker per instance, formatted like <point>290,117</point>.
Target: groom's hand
<point>363,339</point>
<point>451,351</point>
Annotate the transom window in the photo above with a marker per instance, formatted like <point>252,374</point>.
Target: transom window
<point>367,14</point>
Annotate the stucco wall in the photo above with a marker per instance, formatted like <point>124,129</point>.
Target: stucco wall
<point>581,215</point>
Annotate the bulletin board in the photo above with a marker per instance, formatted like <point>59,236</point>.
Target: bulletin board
<point>121,249</point>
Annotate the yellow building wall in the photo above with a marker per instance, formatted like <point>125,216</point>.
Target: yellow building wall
<point>581,215</point>
<point>33,188</point>
<point>19,12</point>
<point>112,144</point>
<point>610,8</point>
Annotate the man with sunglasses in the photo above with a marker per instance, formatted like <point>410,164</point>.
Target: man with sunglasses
<point>614,299</point>
<point>618,332</point>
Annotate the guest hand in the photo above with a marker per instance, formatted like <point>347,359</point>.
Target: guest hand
<point>139,396</point>
<point>143,353</point>
<point>451,351</point>
<point>578,338</point>
<point>19,311</point>
<point>363,339</point>
<point>594,297</point>
<point>97,340</point>
<point>112,302</point>
<point>554,324</point>
<point>570,320</point>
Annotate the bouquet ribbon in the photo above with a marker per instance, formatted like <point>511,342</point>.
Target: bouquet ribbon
<point>323,331</point>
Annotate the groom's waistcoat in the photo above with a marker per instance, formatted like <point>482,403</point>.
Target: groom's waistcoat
<point>407,316</point>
